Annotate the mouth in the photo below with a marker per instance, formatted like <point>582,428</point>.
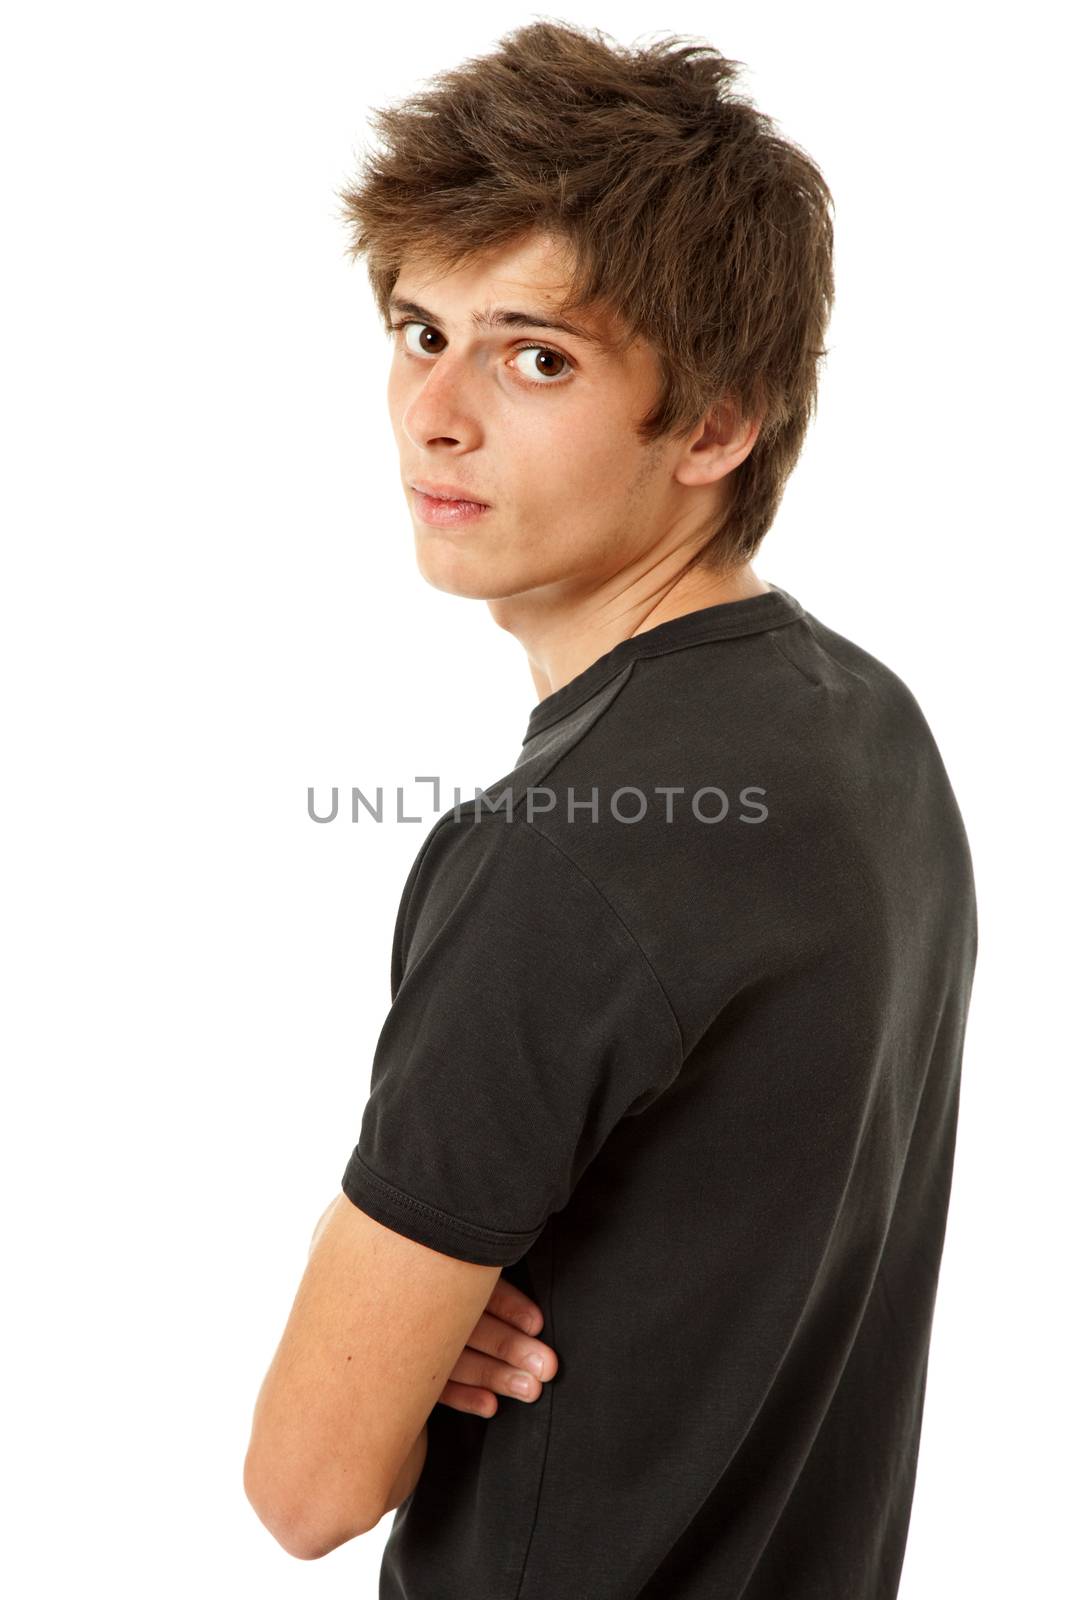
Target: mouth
<point>446,505</point>
<point>451,493</point>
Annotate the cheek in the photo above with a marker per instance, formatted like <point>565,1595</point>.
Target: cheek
<point>556,444</point>
<point>401,389</point>
<point>596,463</point>
<point>393,396</point>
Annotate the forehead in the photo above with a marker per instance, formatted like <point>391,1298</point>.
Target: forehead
<point>538,261</point>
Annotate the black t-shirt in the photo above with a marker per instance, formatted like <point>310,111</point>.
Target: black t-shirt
<point>687,1066</point>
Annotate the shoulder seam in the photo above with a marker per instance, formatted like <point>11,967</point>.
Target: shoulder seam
<point>784,653</point>
<point>622,924</point>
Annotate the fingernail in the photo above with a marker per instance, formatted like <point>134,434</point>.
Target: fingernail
<point>520,1384</point>
<point>534,1363</point>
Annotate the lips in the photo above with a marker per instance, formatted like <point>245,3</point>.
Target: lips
<point>437,510</point>
<point>450,492</point>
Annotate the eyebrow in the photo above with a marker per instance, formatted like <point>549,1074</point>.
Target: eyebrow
<point>500,318</point>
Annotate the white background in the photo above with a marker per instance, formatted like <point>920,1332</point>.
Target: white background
<point>209,602</point>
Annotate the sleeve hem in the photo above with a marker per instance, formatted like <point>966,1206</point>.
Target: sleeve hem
<point>426,1224</point>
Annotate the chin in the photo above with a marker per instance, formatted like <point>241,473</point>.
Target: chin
<point>448,566</point>
<point>451,570</point>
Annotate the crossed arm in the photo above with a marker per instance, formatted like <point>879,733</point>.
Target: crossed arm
<point>377,1334</point>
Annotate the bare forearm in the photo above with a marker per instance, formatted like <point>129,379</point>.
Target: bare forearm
<point>408,1476</point>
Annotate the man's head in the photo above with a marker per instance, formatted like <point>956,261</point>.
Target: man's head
<point>682,252</point>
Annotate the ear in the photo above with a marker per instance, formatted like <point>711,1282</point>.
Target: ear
<point>720,442</point>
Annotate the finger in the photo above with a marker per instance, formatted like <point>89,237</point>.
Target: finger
<point>510,1304</point>
<point>500,1339</point>
<point>486,1372</point>
<point>468,1397</point>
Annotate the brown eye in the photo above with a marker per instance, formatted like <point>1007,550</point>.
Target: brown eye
<point>424,334</point>
<point>547,366</point>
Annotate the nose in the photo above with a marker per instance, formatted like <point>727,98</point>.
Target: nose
<point>440,410</point>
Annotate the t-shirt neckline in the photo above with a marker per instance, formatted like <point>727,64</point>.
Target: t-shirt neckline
<point>723,621</point>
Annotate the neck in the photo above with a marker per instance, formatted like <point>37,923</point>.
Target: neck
<point>564,635</point>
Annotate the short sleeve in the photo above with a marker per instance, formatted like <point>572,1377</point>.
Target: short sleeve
<point>525,1023</point>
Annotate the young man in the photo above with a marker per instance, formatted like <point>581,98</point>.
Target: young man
<point>673,1058</point>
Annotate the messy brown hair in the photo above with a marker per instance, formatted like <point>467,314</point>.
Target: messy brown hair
<point>688,216</point>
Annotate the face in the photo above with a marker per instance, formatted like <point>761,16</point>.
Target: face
<point>536,422</point>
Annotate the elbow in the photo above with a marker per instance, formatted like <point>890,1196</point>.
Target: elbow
<point>296,1522</point>
<point>277,1514</point>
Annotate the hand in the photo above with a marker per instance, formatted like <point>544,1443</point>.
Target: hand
<point>494,1354</point>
